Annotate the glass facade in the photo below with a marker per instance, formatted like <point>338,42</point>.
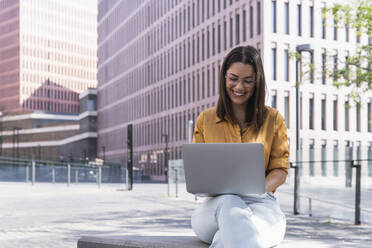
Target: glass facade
<point>57,41</point>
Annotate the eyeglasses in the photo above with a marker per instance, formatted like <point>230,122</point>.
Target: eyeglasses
<point>234,80</point>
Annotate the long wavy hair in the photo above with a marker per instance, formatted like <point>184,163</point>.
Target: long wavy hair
<point>256,103</point>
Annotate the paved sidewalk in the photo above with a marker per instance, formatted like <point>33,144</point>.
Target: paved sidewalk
<point>47,215</point>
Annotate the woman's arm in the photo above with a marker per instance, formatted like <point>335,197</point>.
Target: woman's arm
<point>274,179</point>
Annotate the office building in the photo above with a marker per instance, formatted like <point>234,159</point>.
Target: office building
<point>48,54</point>
<point>159,64</point>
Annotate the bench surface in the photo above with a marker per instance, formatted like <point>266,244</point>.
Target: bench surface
<point>141,242</point>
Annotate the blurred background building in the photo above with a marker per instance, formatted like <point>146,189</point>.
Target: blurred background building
<point>52,136</point>
<point>48,54</point>
<point>159,63</point>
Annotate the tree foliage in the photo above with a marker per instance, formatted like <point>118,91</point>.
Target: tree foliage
<point>355,71</point>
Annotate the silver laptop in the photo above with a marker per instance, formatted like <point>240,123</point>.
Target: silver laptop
<point>224,168</point>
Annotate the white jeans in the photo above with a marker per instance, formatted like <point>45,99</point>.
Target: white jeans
<point>231,221</point>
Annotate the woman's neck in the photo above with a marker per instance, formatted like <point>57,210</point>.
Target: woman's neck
<point>239,114</point>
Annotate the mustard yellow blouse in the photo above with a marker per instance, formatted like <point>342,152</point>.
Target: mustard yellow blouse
<point>210,128</point>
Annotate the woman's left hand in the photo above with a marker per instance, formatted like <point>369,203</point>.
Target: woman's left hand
<point>274,179</point>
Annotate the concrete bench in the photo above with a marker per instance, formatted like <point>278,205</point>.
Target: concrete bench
<point>141,242</point>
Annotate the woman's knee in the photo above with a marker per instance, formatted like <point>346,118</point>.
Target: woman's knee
<point>203,223</point>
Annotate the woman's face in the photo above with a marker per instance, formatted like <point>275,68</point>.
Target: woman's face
<point>240,83</point>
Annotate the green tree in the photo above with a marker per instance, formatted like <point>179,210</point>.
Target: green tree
<point>355,70</point>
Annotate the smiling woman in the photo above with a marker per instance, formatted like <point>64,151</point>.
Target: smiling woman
<point>241,116</point>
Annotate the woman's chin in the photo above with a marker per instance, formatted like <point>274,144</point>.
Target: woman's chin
<point>239,102</point>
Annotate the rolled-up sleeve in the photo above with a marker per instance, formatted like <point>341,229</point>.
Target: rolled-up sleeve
<point>199,130</point>
<point>280,147</point>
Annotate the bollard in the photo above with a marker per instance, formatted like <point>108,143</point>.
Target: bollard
<point>168,184</point>
<point>53,174</point>
<point>27,174</point>
<point>33,172</point>
<point>296,204</point>
<point>357,192</point>
<point>127,178</point>
<point>76,176</point>
<point>310,208</point>
<point>99,176</point>
<point>68,174</point>
<point>176,181</point>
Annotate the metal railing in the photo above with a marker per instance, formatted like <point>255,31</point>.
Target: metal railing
<point>355,163</point>
<point>15,169</point>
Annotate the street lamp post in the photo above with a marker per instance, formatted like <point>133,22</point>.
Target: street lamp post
<point>299,49</point>
<point>166,159</point>
<point>103,153</point>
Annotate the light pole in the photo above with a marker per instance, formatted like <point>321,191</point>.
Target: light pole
<point>299,50</point>
<point>166,159</point>
<point>103,153</point>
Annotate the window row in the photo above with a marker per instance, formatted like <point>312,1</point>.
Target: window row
<point>200,83</point>
<point>324,115</point>
<point>50,106</point>
<point>186,90</point>
<point>330,61</point>
<point>222,34</point>
<point>324,20</point>
<point>333,157</point>
<point>38,80</point>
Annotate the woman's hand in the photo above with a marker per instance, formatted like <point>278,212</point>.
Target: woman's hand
<point>274,179</point>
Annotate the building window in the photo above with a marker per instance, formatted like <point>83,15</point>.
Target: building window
<point>347,121</point>
<point>335,158</point>
<point>347,33</point>
<point>286,16</point>
<point>358,151</point>
<point>311,113</point>
<point>231,32</point>
<point>300,111</point>
<point>323,109</point>
<point>219,38</point>
<point>324,67</point>
<point>244,25</point>
<point>258,18</point>
<point>273,63</point>
<point>324,24</point>
<point>370,160</point>
<point>311,69</point>
<point>335,29</point>
<point>91,105</point>
<point>299,20</point>
<point>286,65</point>
<point>213,41</point>
<point>358,117</point>
<point>224,35</point>
<point>251,21</point>
<point>237,29</point>
<point>311,158</point>
<point>273,15</point>
<point>286,110</point>
<point>335,65</point>
<point>369,118</point>
<point>335,116</point>
<point>273,101</point>
<point>311,21</point>
<point>324,158</point>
